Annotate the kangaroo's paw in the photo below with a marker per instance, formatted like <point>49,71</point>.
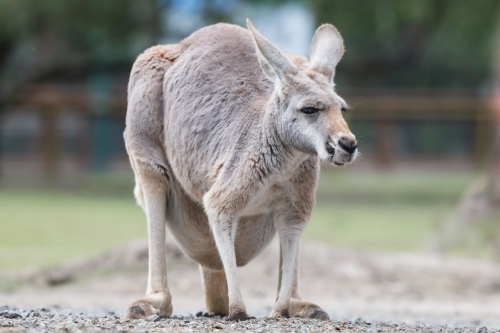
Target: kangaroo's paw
<point>280,314</point>
<point>239,316</point>
<point>159,303</point>
<point>302,309</point>
<point>139,310</point>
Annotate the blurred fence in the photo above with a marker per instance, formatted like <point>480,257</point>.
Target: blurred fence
<point>53,132</point>
<point>421,124</point>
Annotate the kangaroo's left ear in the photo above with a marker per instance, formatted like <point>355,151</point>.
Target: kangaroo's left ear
<point>327,48</point>
<point>274,63</point>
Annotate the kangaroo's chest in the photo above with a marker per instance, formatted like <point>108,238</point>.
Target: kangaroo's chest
<point>261,203</point>
<point>188,225</point>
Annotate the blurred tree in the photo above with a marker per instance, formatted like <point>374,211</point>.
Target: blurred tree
<point>479,207</point>
<point>60,38</point>
<point>430,43</point>
<point>425,43</point>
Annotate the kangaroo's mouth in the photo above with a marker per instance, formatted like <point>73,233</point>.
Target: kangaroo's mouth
<point>338,156</point>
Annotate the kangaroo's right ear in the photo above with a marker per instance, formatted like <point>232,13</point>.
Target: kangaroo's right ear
<point>327,48</point>
<point>275,64</point>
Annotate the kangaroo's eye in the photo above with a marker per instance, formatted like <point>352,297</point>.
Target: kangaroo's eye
<point>309,110</point>
<point>343,109</point>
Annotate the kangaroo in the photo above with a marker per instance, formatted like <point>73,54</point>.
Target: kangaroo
<point>225,134</point>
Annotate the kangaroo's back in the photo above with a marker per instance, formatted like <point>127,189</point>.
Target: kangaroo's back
<point>214,97</point>
<point>144,120</point>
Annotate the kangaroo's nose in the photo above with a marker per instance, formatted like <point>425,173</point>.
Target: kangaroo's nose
<point>348,143</point>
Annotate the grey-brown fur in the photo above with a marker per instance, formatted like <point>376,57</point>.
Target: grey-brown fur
<point>224,158</point>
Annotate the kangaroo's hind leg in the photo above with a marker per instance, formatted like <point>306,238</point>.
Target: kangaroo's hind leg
<point>215,288</point>
<point>298,307</point>
<point>152,185</point>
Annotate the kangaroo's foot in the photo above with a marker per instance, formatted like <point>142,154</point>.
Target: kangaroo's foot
<point>215,288</point>
<point>238,316</point>
<point>303,309</point>
<point>159,303</point>
<point>280,314</point>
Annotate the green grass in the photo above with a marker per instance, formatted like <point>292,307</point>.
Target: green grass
<point>375,227</point>
<point>39,228</point>
<point>359,210</point>
<point>403,186</point>
<point>384,211</point>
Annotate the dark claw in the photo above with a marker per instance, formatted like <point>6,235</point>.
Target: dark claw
<point>320,315</point>
<point>139,310</point>
<point>239,316</point>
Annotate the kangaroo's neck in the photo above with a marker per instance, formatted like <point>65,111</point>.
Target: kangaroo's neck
<point>276,155</point>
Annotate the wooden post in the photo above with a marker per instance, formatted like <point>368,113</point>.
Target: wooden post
<point>100,99</point>
<point>50,145</point>
<point>496,170</point>
<point>495,158</point>
<point>384,142</point>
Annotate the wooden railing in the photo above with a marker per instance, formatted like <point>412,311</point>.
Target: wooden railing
<point>382,107</point>
<point>385,107</point>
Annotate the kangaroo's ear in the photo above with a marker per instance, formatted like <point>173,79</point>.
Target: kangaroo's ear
<point>327,48</point>
<point>275,64</point>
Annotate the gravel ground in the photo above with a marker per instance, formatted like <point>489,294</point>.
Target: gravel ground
<point>361,293</point>
<point>49,320</point>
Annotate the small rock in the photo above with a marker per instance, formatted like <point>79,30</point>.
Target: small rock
<point>199,313</point>
<point>10,315</point>
<point>154,318</point>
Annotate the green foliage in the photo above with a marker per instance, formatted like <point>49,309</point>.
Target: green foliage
<point>432,43</point>
<point>78,33</point>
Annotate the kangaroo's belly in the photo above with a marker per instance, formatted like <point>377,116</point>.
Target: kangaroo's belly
<point>188,225</point>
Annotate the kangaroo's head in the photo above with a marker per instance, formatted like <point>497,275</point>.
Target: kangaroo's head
<point>307,111</point>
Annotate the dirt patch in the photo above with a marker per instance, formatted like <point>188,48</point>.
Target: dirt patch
<point>350,286</point>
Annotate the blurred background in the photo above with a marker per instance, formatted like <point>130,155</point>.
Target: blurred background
<point>422,77</point>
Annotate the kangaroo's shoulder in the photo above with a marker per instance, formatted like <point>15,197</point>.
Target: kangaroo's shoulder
<point>221,42</point>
